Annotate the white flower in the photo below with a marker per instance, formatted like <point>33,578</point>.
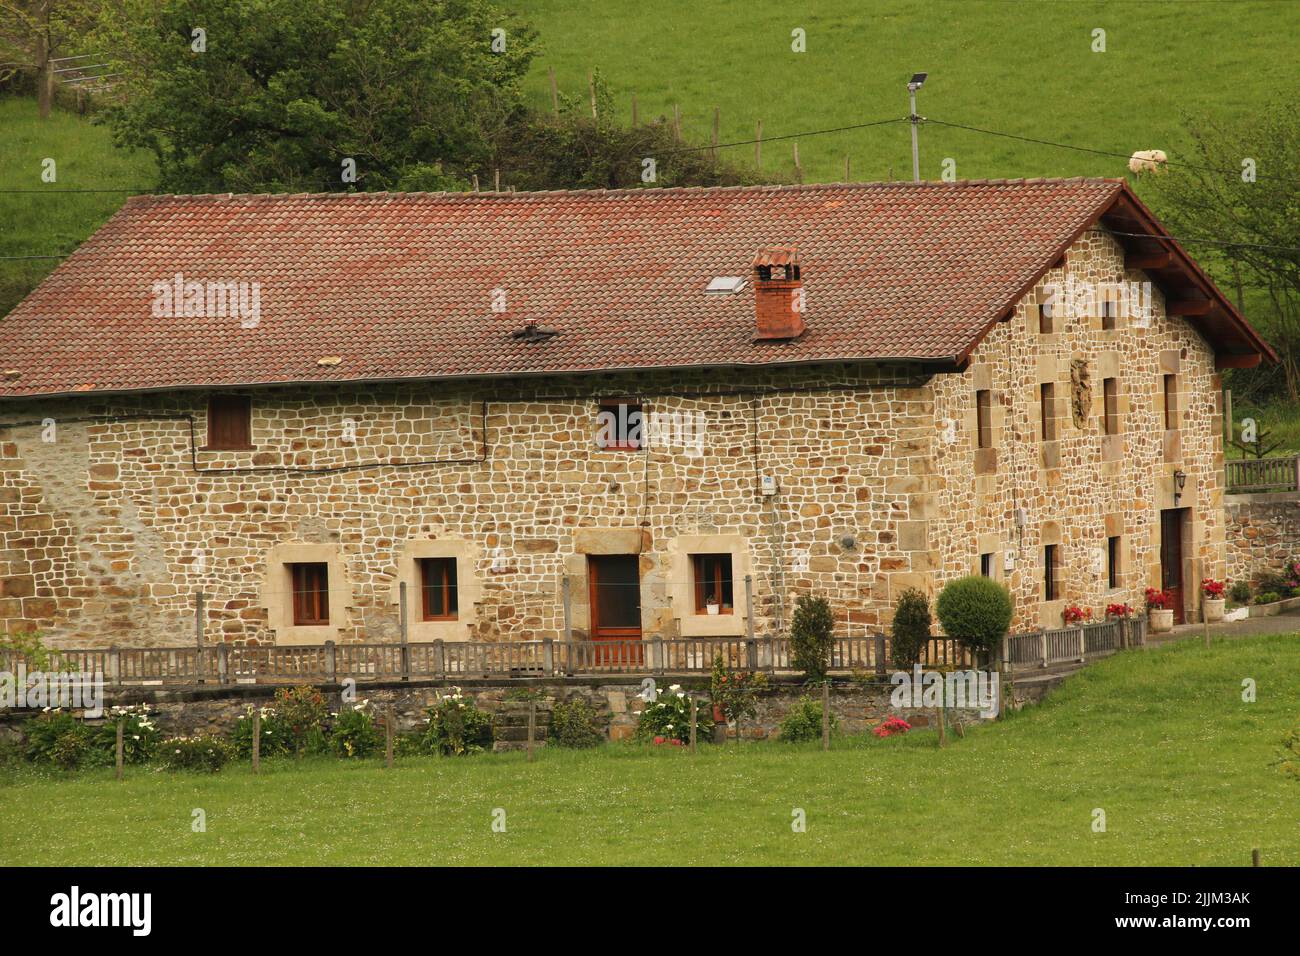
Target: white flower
<point>135,736</point>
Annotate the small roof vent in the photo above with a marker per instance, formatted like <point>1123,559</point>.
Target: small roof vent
<point>726,285</point>
<point>532,332</point>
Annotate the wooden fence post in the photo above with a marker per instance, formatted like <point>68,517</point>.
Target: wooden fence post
<point>565,589</point>
<point>826,714</point>
<point>694,709</point>
<point>717,122</point>
<point>848,175</point>
<point>942,712</point>
<point>331,663</point>
<point>1254,857</point>
<point>223,663</point>
<point>115,665</point>
<point>555,92</point>
<point>880,652</point>
<point>388,737</point>
<point>548,656</point>
<point>1083,645</point>
<point>257,739</point>
<point>439,658</point>
<point>758,146</point>
<point>798,170</point>
<point>532,727</point>
<point>634,114</point>
<point>749,607</point>
<point>199,597</point>
<point>591,88</point>
<point>120,756</point>
<point>1043,642</point>
<point>657,656</point>
<point>406,647</point>
<point>677,123</point>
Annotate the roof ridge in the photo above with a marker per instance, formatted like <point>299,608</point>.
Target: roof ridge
<point>525,195</point>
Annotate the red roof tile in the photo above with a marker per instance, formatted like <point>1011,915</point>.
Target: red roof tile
<point>401,286</point>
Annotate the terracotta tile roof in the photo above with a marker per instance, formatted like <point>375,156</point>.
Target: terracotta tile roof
<point>401,286</point>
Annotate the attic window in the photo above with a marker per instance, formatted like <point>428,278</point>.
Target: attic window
<point>229,423</point>
<point>725,285</point>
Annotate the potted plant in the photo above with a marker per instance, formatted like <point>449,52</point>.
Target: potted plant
<point>734,693</point>
<point>1075,615</point>
<point>711,603</point>
<point>1159,613</point>
<point>1121,611</point>
<point>1213,601</point>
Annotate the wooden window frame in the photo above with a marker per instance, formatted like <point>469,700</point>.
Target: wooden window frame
<point>613,405</point>
<point>445,569</point>
<point>1114,544</point>
<point>310,583</point>
<point>1051,572</point>
<point>1170,386</point>
<point>222,410</point>
<point>983,418</point>
<point>1047,409</point>
<point>1110,406</point>
<point>720,584</point>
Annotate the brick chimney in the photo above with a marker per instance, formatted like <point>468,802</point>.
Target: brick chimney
<point>778,294</point>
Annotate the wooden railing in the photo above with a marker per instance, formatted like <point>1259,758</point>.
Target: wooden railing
<point>332,663</point>
<point>1258,475</point>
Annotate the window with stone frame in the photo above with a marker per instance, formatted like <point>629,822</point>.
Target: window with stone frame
<point>1113,552</point>
<point>713,583</point>
<point>1045,319</point>
<point>1110,406</point>
<point>1109,314</point>
<point>1170,389</point>
<point>311,593</point>
<point>438,593</point>
<point>1051,572</point>
<point>1047,409</point>
<point>230,426</point>
<point>620,424</point>
<point>983,418</point>
<point>986,566</point>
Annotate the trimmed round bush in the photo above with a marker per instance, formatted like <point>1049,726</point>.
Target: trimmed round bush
<point>975,610</point>
<point>911,628</point>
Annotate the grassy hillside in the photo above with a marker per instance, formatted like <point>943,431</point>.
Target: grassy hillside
<point>1161,741</point>
<point>45,223</point>
<point>1025,68</point>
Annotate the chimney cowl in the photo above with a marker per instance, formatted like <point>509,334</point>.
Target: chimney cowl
<point>778,294</point>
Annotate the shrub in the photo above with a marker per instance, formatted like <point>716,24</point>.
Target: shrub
<point>1119,610</point>
<point>59,738</point>
<point>29,645</point>
<point>975,610</point>
<point>669,717</point>
<point>204,752</point>
<point>911,630</point>
<point>804,722</point>
<point>1074,615</point>
<point>735,693</point>
<point>1277,582</point>
<point>457,727</point>
<point>44,730</point>
<point>140,735</point>
<point>354,733</point>
<point>277,738</point>
<point>304,712</point>
<point>891,727</point>
<point>575,723</point>
<point>811,636</point>
<point>1240,592</point>
<point>1267,597</point>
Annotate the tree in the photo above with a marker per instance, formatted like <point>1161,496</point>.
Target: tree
<point>267,95</point>
<point>975,610</point>
<point>911,630</point>
<point>1240,192</point>
<point>34,32</point>
<point>811,636</point>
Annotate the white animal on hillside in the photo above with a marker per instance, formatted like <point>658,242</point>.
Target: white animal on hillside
<point>1145,160</point>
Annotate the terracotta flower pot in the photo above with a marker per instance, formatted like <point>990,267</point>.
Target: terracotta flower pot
<point>718,716</point>
<point>1213,609</point>
<point>1161,620</point>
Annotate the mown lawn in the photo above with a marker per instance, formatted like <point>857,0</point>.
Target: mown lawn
<point>1160,740</point>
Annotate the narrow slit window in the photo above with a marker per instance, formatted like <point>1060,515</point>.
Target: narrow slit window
<point>438,589</point>
<point>1051,572</point>
<point>1045,318</point>
<point>713,584</point>
<point>311,593</point>
<point>984,418</point>
<point>1112,562</point>
<point>1047,409</point>
<point>1171,401</point>
<point>986,565</point>
<point>1109,312</point>
<point>1110,401</point>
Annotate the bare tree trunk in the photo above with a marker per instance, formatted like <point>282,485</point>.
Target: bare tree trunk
<point>44,65</point>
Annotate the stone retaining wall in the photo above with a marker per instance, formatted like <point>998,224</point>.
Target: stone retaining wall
<point>1263,533</point>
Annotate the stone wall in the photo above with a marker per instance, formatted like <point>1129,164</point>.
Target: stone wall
<point>1263,533</point>
<point>1085,486</point>
<point>859,706</point>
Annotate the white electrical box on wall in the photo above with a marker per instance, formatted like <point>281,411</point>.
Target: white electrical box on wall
<point>767,484</point>
<point>1008,561</point>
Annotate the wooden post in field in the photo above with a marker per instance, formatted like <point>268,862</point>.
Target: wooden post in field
<point>476,182</point>
<point>848,169</point>
<point>826,715</point>
<point>758,146</point>
<point>694,709</point>
<point>532,727</point>
<point>1254,857</point>
<point>1205,620</point>
<point>257,739</point>
<point>677,122</point>
<point>591,88</point>
<point>717,122</point>
<point>496,180</point>
<point>120,755</point>
<point>798,170</point>
<point>634,113</point>
<point>388,738</point>
<point>555,92</point>
<point>941,714</point>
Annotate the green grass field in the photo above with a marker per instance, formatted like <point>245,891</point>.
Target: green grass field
<point>1159,740</point>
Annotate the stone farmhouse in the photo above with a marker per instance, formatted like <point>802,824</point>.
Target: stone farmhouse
<point>670,411</point>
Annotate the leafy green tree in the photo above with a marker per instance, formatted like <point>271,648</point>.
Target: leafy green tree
<point>811,636</point>
<point>911,628</point>
<point>281,94</point>
<point>975,610</point>
<point>1239,190</point>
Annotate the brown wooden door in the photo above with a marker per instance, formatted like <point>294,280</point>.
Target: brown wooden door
<point>1171,557</point>
<point>615,587</point>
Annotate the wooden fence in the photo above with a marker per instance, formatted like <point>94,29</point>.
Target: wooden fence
<point>331,663</point>
<point>1258,475</point>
